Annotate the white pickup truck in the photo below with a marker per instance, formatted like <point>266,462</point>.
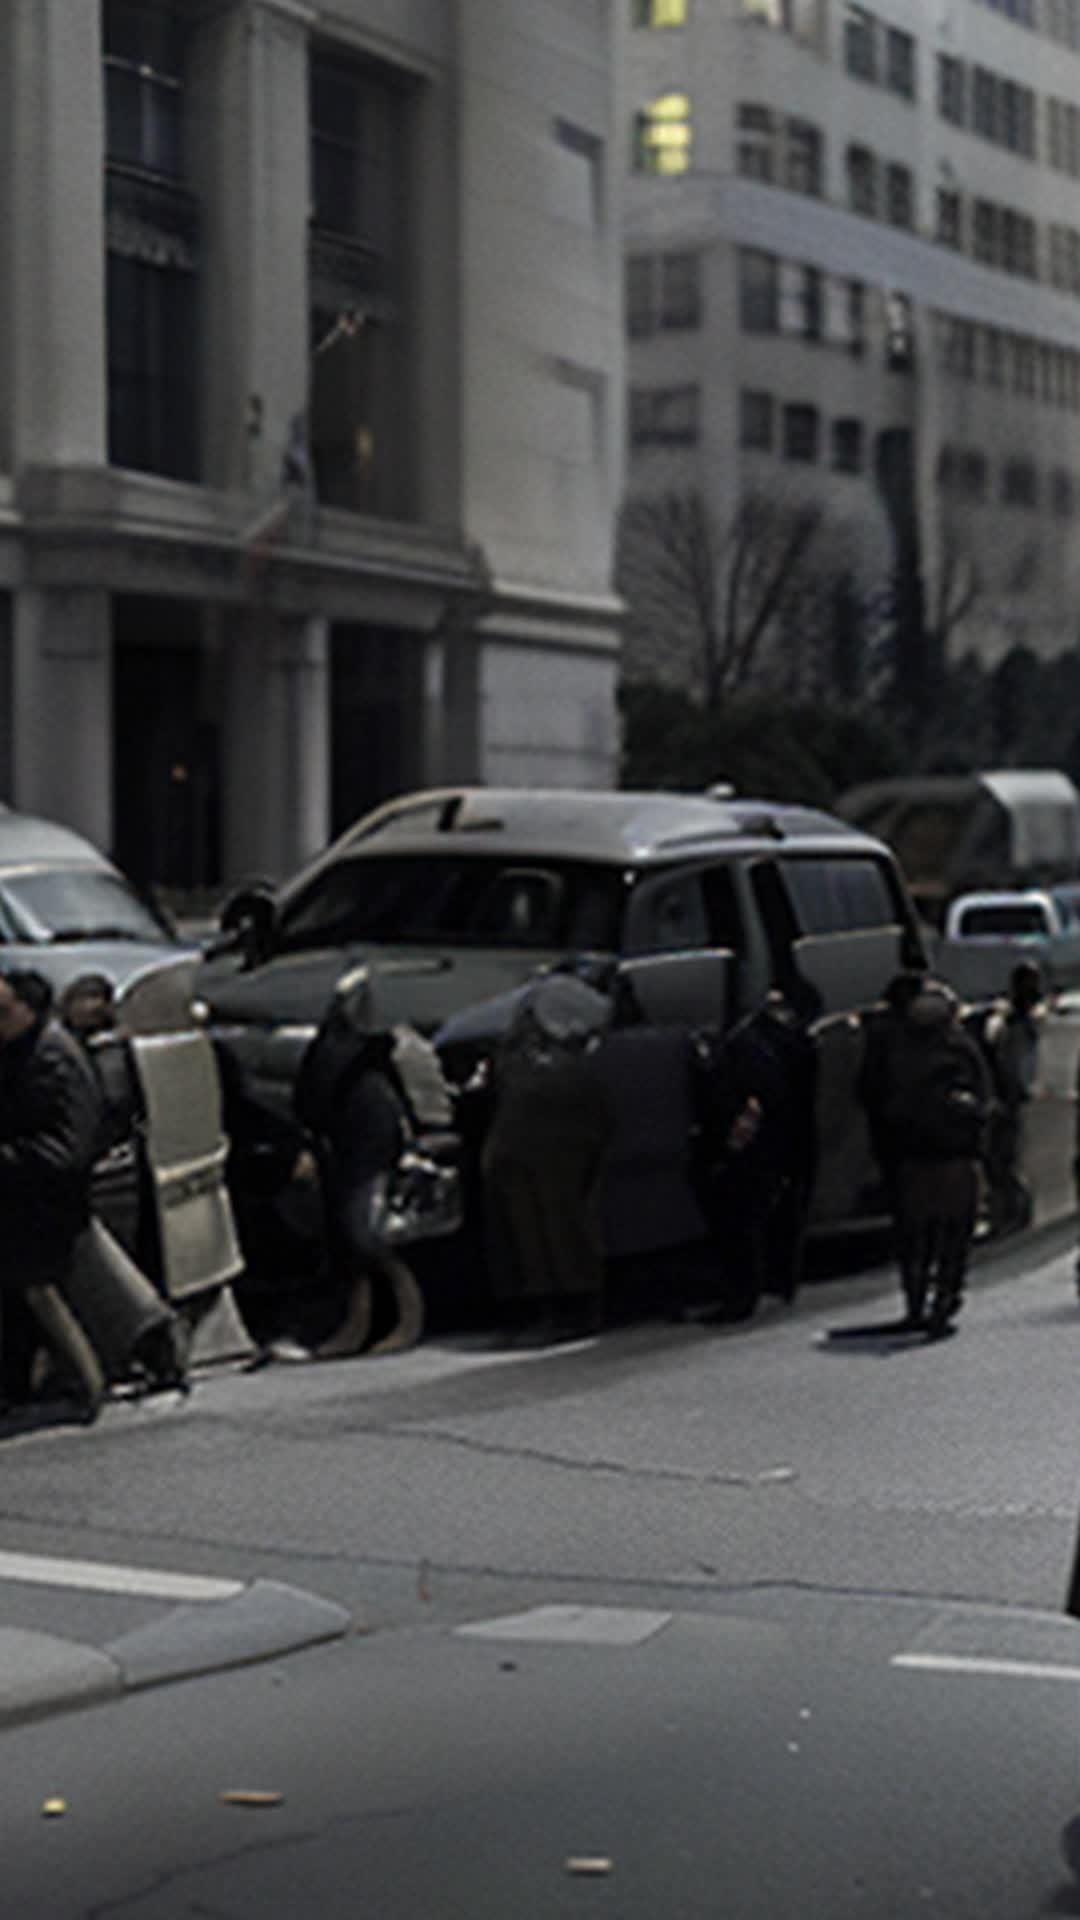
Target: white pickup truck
<point>986,934</point>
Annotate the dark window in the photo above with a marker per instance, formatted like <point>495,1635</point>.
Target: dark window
<point>664,416</point>
<point>984,103</point>
<point>144,86</point>
<point>467,900</point>
<point>668,915</point>
<point>860,43</point>
<point>900,196</point>
<point>756,145</point>
<point>153,395</point>
<point>680,290</point>
<point>360,408</point>
<point>847,446</point>
<point>801,300</point>
<point>756,413</point>
<point>950,217</point>
<point>759,291</point>
<point>974,477</point>
<point>1019,484</point>
<point>952,89</point>
<point>984,232</point>
<point>839,895</point>
<point>900,63</point>
<point>800,433</point>
<point>803,172</point>
<point>862,180</point>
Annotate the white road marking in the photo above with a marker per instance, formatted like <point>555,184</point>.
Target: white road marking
<point>94,1576</point>
<point>585,1626</point>
<point>979,1664</point>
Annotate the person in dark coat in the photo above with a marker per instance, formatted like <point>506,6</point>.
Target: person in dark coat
<point>927,1094</point>
<point>50,1134</point>
<point>757,1154</point>
<point>352,1099</point>
<point>542,1162</point>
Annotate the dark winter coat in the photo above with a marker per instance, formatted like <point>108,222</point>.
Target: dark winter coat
<point>51,1131</point>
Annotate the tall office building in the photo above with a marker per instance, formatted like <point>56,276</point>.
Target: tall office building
<point>310,412</point>
<point>853,280</point>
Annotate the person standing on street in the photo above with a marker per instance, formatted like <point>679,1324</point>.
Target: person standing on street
<point>1011,1041</point>
<point>926,1091</point>
<point>50,1132</point>
<point>542,1162</point>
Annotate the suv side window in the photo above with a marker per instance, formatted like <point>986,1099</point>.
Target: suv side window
<point>667,915</point>
<point>838,896</point>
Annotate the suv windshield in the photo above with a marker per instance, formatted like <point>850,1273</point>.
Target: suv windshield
<point>460,899</point>
<point>41,906</point>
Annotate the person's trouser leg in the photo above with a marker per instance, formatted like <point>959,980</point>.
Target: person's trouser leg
<point>68,1342</point>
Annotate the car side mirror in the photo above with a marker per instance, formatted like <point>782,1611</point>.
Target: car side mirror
<point>247,925</point>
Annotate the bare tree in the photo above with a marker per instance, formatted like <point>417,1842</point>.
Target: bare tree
<point>957,588</point>
<point>718,596</point>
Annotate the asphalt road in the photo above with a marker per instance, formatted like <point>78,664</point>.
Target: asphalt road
<point>673,1623</point>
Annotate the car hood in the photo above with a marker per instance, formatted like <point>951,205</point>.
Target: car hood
<point>295,989</point>
<point>123,962</point>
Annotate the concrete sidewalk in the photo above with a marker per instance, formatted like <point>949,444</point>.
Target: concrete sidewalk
<point>76,1632</point>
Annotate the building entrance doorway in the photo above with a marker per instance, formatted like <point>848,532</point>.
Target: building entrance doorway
<point>167,771</point>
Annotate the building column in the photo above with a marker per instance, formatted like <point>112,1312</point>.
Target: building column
<point>55,332</point>
<point>248,87</point>
<point>276,746</point>
<point>62,688</point>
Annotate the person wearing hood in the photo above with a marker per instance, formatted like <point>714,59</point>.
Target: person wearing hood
<point>542,1162</point>
<point>927,1095</point>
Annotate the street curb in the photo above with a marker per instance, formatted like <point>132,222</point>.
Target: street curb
<point>265,1620</point>
<point>44,1673</point>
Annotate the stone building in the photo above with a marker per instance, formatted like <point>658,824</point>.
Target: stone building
<point>853,241</point>
<point>310,413</point>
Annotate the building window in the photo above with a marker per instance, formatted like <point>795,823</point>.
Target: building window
<point>952,89</point>
<point>756,421</point>
<point>660,13</point>
<point>847,446</point>
<point>756,144</point>
<point>662,135</point>
<point>800,433</point>
<point>804,158</point>
<point>663,291</point>
<point>984,232</point>
<point>1019,245</point>
<point>680,290</point>
<point>360,402</point>
<point>862,180</point>
<point>860,43</point>
<point>144,55</point>
<point>974,477</point>
<point>950,217</point>
<point>993,357</point>
<point>1019,484</point>
<point>801,301</point>
<point>900,63</point>
<point>899,196</point>
<point>152,238</point>
<point>759,291</point>
<point>664,416</point>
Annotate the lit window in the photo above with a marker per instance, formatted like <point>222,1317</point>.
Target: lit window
<point>663,136</point>
<point>660,13</point>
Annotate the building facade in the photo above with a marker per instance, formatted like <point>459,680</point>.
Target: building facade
<point>310,413</point>
<point>853,242</point>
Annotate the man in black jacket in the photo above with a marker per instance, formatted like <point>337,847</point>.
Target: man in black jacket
<point>50,1132</point>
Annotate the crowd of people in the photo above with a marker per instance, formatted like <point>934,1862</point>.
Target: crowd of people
<point>80,1305</point>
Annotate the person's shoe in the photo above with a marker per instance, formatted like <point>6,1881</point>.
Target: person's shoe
<point>943,1311</point>
<point>158,1352</point>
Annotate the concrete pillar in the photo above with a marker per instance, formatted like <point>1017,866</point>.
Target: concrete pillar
<point>276,745</point>
<point>62,686</point>
<point>249,161</point>
<point>56,329</point>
